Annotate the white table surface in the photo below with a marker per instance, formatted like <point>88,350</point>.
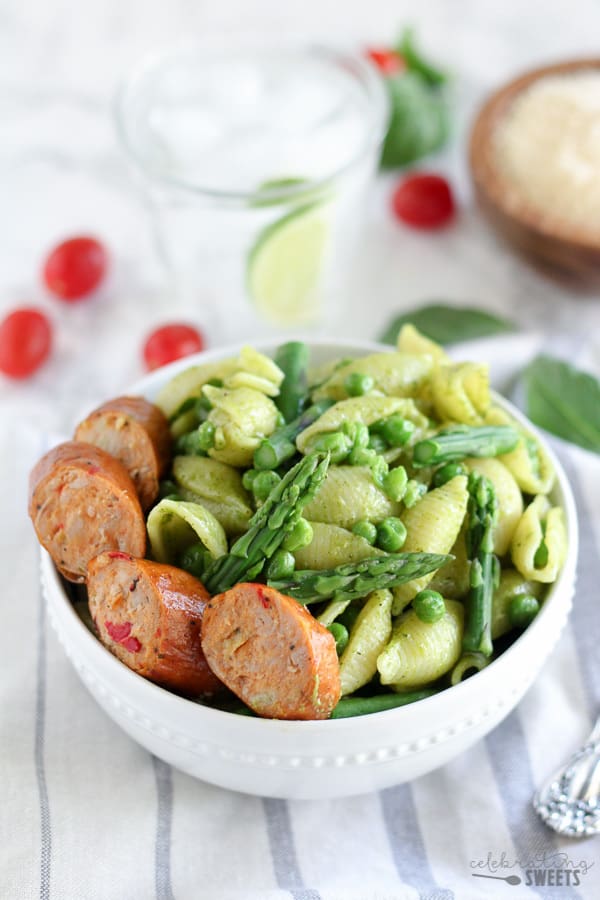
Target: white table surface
<point>61,172</point>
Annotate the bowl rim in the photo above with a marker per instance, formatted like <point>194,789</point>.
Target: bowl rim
<point>484,169</point>
<point>148,385</point>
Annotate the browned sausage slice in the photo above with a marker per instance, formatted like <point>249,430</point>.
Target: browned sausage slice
<point>81,502</point>
<point>272,653</point>
<point>137,433</point>
<point>150,615</point>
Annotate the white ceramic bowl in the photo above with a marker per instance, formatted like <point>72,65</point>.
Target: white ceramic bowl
<point>314,759</point>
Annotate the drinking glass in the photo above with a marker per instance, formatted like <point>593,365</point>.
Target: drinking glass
<point>256,159</point>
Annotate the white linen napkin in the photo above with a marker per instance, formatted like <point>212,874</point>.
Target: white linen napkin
<point>86,813</point>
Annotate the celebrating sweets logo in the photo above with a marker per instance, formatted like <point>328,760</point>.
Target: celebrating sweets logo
<point>544,869</point>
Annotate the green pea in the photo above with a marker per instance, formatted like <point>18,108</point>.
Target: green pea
<point>248,478</point>
<point>362,456</point>
<point>366,530</point>
<point>522,610</point>
<point>206,436</point>
<point>195,559</point>
<point>264,483</point>
<point>396,431</point>
<point>447,473</point>
<point>413,493</point>
<point>376,443</point>
<point>281,565</point>
<point>391,534</point>
<point>429,606</point>
<point>300,536</point>
<point>379,470</point>
<point>340,634</point>
<point>394,483</point>
<point>336,442</point>
<point>357,384</point>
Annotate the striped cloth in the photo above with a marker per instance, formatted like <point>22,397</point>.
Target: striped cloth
<point>86,814</point>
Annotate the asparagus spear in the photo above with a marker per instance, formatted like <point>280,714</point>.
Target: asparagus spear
<point>281,444</point>
<point>269,526</point>
<point>292,359</point>
<point>355,580</point>
<point>462,441</point>
<point>485,570</point>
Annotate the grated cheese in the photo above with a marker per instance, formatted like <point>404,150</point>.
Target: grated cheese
<point>547,149</point>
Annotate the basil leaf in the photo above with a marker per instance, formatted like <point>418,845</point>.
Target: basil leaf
<point>448,324</point>
<point>419,121</point>
<point>564,400</point>
<point>415,61</point>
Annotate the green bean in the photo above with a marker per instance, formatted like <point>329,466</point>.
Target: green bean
<point>469,663</point>
<point>292,358</point>
<point>363,706</point>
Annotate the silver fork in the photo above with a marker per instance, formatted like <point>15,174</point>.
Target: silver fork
<point>569,802</point>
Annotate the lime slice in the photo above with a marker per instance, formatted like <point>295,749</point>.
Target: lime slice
<point>285,266</point>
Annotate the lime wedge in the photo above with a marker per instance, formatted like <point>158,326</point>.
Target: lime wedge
<point>285,266</point>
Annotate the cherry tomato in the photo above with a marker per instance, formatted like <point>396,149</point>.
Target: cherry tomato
<point>424,201</point>
<point>75,268</point>
<point>170,342</point>
<point>25,341</point>
<point>389,62</point>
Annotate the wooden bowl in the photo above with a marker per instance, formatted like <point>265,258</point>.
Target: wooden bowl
<point>561,249</point>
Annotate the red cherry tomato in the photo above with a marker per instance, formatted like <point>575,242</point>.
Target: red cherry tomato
<point>424,201</point>
<point>25,341</point>
<point>170,342</point>
<point>75,268</point>
<point>389,62</point>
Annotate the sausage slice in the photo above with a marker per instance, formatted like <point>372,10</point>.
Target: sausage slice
<point>137,433</point>
<point>81,502</point>
<point>272,653</point>
<point>150,615</point>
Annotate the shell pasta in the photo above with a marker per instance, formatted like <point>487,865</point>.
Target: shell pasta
<point>377,525</point>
